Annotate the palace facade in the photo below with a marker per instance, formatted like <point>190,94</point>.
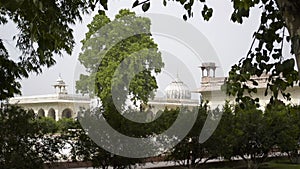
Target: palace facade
<point>211,89</point>
<point>58,105</point>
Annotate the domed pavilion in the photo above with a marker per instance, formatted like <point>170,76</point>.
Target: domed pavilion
<point>177,94</point>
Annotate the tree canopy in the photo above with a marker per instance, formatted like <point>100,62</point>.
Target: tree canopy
<point>26,141</point>
<point>120,57</point>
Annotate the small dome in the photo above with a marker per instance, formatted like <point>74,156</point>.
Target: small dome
<point>177,90</point>
<point>60,81</point>
<point>60,85</point>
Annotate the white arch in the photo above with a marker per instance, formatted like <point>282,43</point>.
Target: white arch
<point>41,112</point>
<point>51,113</point>
<point>67,113</point>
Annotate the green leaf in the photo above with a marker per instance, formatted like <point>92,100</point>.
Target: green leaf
<point>184,17</point>
<point>104,4</point>
<point>136,3</point>
<point>146,6</point>
<point>206,12</point>
<point>182,1</point>
<point>101,12</point>
<point>165,2</point>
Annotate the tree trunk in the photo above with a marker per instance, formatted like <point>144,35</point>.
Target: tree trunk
<point>290,11</point>
<point>294,157</point>
<point>251,164</point>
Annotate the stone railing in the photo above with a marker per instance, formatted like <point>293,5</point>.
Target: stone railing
<point>48,98</point>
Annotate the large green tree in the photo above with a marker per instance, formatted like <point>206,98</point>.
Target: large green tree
<point>120,57</point>
<point>253,134</point>
<point>287,133</point>
<point>84,148</point>
<point>189,152</point>
<point>251,139</point>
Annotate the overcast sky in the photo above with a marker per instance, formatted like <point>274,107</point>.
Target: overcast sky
<point>230,42</point>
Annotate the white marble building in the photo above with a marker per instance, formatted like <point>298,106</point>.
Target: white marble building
<point>177,94</point>
<point>211,88</point>
<point>58,105</point>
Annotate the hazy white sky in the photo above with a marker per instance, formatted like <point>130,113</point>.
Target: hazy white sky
<point>230,42</point>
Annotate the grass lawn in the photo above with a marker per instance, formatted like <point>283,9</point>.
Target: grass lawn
<point>272,164</point>
<point>280,164</point>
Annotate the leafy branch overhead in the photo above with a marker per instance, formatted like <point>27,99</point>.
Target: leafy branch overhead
<point>44,31</point>
<point>280,23</point>
<point>265,56</point>
<point>187,5</point>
